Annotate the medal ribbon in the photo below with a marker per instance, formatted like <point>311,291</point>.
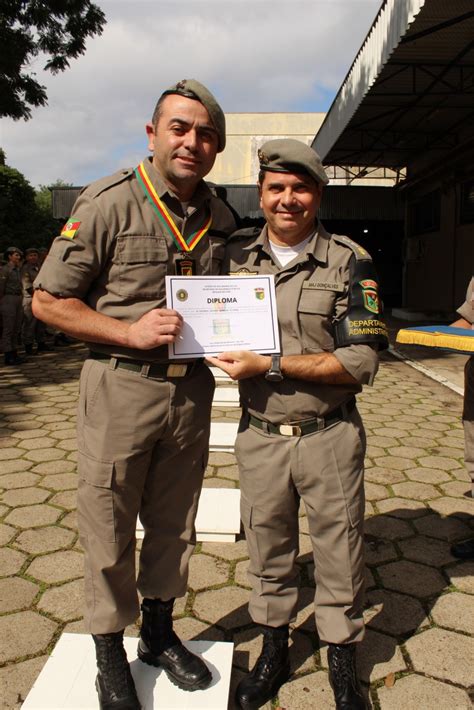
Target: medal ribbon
<point>164,216</point>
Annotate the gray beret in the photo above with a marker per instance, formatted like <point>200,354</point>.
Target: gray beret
<point>191,88</point>
<point>12,250</point>
<point>287,155</point>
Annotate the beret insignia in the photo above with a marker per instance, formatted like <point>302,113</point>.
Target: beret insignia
<point>263,158</point>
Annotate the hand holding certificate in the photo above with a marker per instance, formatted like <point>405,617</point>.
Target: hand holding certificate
<point>223,313</point>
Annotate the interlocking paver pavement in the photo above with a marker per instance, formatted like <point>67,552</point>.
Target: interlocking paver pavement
<point>418,649</point>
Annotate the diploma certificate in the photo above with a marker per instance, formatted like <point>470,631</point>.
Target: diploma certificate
<point>223,313</point>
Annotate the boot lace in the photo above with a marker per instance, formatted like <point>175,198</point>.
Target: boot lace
<point>112,657</point>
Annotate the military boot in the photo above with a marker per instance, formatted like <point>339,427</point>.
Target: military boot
<point>271,670</point>
<point>29,350</point>
<point>114,681</point>
<point>12,358</point>
<point>159,646</point>
<point>343,677</point>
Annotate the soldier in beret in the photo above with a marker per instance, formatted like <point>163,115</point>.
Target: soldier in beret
<point>11,292</point>
<point>144,422</point>
<point>301,436</point>
<point>32,329</point>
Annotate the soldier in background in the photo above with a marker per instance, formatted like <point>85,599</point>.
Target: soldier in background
<point>11,292</point>
<point>32,328</point>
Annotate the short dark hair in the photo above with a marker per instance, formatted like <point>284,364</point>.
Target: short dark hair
<point>159,105</point>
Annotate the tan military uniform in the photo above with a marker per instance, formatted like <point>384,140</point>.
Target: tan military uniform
<point>467,312</point>
<point>142,436</point>
<point>32,328</point>
<point>323,468</point>
<point>10,306</point>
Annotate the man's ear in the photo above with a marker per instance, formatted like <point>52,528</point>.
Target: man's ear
<point>150,131</point>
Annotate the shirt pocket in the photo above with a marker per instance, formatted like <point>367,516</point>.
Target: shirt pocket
<point>214,255</point>
<point>142,263</point>
<point>315,314</point>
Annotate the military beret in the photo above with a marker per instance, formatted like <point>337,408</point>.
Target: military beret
<point>31,250</point>
<point>193,89</point>
<point>287,155</point>
<point>12,250</point>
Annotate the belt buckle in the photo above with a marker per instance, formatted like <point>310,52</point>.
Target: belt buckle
<point>175,370</point>
<point>290,430</point>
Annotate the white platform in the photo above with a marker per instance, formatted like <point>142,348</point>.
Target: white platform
<point>67,680</point>
<point>220,375</point>
<point>226,397</point>
<point>218,516</point>
<point>223,436</point>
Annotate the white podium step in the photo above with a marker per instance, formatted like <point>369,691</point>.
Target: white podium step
<point>67,681</point>
<point>220,375</point>
<point>226,397</point>
<point>223,436</point>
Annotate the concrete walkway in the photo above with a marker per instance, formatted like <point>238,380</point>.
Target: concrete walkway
<point>419,647</point>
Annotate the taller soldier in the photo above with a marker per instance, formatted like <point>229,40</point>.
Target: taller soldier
<point>301,437</point>
<point>143,422</point>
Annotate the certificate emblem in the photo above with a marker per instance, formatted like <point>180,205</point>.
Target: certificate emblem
<point>182,295</point>
<point>260,294</point>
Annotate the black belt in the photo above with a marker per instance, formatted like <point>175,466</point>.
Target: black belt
<point>308,426</point>
<point>152,370</point>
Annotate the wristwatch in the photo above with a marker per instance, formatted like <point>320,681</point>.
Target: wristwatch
<point>274,374</point>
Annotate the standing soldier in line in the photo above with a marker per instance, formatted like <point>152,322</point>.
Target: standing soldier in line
<point>33,329</point>
<point>143,422</point>
<point>301,436</point>
<point>11,293</point>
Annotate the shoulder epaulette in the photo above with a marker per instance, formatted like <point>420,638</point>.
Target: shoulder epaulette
<point>99,186</point>
<point>360,253</point>
<point>246,233</point>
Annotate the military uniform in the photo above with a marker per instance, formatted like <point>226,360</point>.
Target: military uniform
<point>466,311</point>
<point>143,423</point>
<point>32,328</point>
<point>11,292</point>
<point>323,464</point>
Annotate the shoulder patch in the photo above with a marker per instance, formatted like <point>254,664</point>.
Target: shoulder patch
<point>360,252</point>
<point>99,186</point>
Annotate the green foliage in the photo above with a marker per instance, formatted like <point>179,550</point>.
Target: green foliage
<point>55,28</point>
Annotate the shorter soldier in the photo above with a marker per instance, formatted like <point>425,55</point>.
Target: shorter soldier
<point>11,292</point>
<point>33,329</point>
<point>301,436</point>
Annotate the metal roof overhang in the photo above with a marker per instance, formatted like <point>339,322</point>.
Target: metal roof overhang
<point>410,90</point>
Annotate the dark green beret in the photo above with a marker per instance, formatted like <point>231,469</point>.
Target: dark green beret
<point>287,155</point>
<point>191,88</point>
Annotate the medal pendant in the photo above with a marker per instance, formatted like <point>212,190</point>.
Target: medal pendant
<point>185,266</point>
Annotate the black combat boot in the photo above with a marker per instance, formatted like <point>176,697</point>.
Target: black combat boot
<point>29,350</point>
<point>12,358</point>
<point>159,646</point>
<point>114,681</point>
<point>44,348</point>
<point>343,677</point>
<point>271,670</point>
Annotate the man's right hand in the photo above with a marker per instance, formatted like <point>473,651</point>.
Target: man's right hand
<point>157,327</point>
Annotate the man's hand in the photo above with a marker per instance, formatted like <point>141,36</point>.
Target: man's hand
<point>241,364</point>
<point>157,327</point>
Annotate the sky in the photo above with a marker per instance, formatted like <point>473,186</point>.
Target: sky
<point>254,55</point>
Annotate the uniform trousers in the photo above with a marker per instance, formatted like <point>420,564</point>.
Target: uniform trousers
<point>12,314</point>
<point>143,449</point>
<point>32,328</point>
<point>468,419</point>
<point>325,469</point>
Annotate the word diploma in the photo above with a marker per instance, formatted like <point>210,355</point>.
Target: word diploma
<point>223,313</point>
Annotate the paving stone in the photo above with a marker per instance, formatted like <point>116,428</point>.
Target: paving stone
<point>63,433</point>
<point>11,561</point>
<point>35,444</point>
<point>14,466</point>
<point>54,467</point>
<point>241,576</point>
<point>226,550</point>
<point>48,539</point>
<point>415,691</point>
<point>24,426</point>
<point>24,634</point>
<point>402,508</point>
<point>443,654</point>
<point>310,691</point>
<point>387,431</point>
<point>423,442</point>
<point>427,475</point>
<point>218,483</point>
<point>415,490</point>
<point>220,458</point>
<point>369,578</point>
<point>205,571</point>
<point>52,422</point>
<point>377,474</point>
<point>60,482</point>
<point>226,607</point>
<point>16,594</point>
<point>228,472</point>
<point>387,528</point>
<point>394,613</point>
<point>411,578</point>
<point>65,602</point>
<point>194,630</point>
<point>383,442</point>
<point>458,489</point>
<point>462,576</point>
<point>3,509</point>
<point>450,529</point>
<point>57,566</point>
<point>426,550</point>
<point>6,533</point>
<point>455,611</point>
<point>373,452</point>
<point>180,606</point>
<point>44,454</point>
<point>17,680</point>
<point>457,507</point>
<point>65,499</point>
<point>70,520</point>
<point>394,462</point>
<point>31,516</point>
<point>25,496</point>
<point>18,480</point>
<point>7,441</point>
<point>378,551</point>
<point>17,417</point>
<point>439,462</point>
<point>10,453</point>
<point>67,444</point>
<point>305,611</point>
<point>373,491</point>
<point>72,456</point>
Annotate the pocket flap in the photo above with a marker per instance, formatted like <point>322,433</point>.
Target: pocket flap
<point>312,301</point>
<point>96,473</point>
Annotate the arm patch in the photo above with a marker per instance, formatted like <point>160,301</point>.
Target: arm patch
<point>362,323</point>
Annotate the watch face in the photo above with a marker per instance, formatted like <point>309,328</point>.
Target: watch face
<point>273,376</point>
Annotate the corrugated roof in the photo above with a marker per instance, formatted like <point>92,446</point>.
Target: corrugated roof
<point>410,90</point>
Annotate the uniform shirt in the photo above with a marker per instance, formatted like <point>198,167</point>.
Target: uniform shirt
<point>10,281</point>
<point>28,274</point>
<point>119,254</point>
<point>466,311</point>
<point>311,294</point>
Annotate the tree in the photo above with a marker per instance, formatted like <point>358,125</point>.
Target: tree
<point>55,28</point>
